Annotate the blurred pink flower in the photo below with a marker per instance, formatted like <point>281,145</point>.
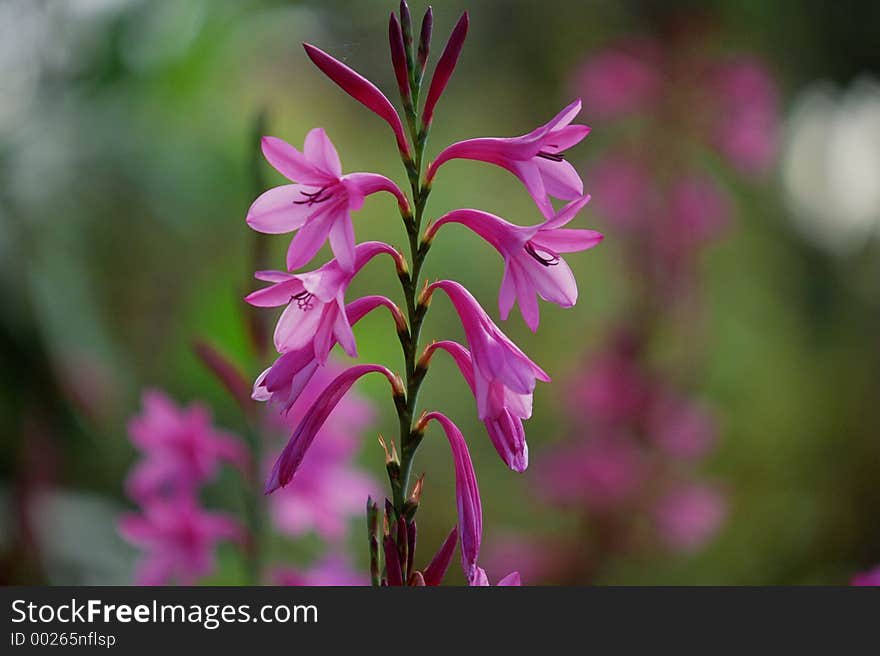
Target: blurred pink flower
<point>746,130</point>
<point>687,517</point>
<point>699,210</point>
<point>613,390</point>
<point>319,205</point>
<point>680,426</point>
<point>178,539</point>
<point>333,570</point>
<point>532,263</point>
<point>330,490</point>
<point>623,189</point>
<point>181,448</point>
<point>315,300</point>
<point>869,578</point>
<point>623,79</point>
<point>536,158</point>
<point>601,474</point>
<point>538,560</point>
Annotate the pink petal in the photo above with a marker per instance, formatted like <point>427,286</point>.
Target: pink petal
<point>342,241</point>
<point>310,238</point>
<point>321,152</point>
<point>292,164</point>
<point>276,211</point>
<point>275,295</point>
<point>561,180</point>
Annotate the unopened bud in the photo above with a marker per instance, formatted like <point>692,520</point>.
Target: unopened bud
<point>425,38</point>
<point>416,580</point>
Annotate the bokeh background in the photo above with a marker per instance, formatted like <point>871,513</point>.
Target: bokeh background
<point>127,163</point>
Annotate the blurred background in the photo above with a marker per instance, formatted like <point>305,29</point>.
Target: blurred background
<point>713,415</point>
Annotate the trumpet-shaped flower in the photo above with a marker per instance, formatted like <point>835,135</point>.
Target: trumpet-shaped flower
<point>292,456</point>
<point>182,448</point>
<point>315,312</point>
<point>467,494</point>
<point>319,203</point>
<point>283,382</point>
<point>537,158</point>
<point>178,539</point>
<point>507,410</point>
<point>532,263</point>
<point>499,365</point>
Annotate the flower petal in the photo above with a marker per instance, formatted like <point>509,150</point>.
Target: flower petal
<point>292,164</point>
<point>321,152</point>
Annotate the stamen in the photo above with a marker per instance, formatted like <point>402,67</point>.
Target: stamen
<point>553,157</point>
<point>314,197</point>
<point>303,301</point>
<point>545,258</point>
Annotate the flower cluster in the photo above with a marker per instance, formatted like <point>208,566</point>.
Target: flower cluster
<point>180,452</point>
<point>318,207</point>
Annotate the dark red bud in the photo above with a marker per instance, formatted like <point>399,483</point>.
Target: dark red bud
<point>398,57</point>
<point>445,67</point>
<point>425,38</point>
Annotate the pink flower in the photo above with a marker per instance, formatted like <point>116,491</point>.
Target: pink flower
<point>506,409</point>
<point>467,494</point>
<point>329,489</point>
<point>622,186</point>
<point>182,449</point>
<point>179,540</point>
<point>601,474</point>
<point>532,263</point>
<point>283,382</point>
<point>699,211</point>
<point>362,90</point>
<point>621,80</point>
<point>869,578</point>
<point>689,516</point>
<point>613,389</point>
<point>315,312</point>
<point>292,456</point>
<point>332,570</point>
<point>747,130</point>
<point>681,427</point>
<point>499,365</point>
<point>480,579</point>
<point>319,205</point>
<point>536,158</point>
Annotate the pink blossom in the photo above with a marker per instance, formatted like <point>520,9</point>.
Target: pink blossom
<point>480,579</point>
<point>869,578</point>
<point>445,67</point>
<point>315,312</point>
<point>319,205</point>
<point>329,489</point>
<point>506,409</point>
<point>293,453</point>
<point>362,90</point>
<point>689,516</point>
<point>283,382</point>
<point>182,449</point>
<point>532,263</point>
<point>621,80</point>
<point>601,473</point>
<point>613,389</point>
<point>681,427</point>
<point>746,131</point>
<point>332,570</point>
<point>622,186</point>
<point>178,539</point>
<point>699,211</point>
<point>467,494</point>
<point>536,158</point>
<point>499,365</point>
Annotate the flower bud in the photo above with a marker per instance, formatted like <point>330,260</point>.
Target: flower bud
<point>425,39</point>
